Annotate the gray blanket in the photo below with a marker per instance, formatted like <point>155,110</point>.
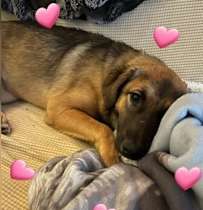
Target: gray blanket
<point>80,182</point>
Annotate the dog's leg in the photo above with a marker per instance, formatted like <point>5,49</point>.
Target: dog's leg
<point>5,126</point>
<point>80,125</point>
<point>5,97</point>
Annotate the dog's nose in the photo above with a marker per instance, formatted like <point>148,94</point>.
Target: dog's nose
<point>132,153</point>
<point>126,150</point>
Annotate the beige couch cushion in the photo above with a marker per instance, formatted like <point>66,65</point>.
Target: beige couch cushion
<point>33,141</point>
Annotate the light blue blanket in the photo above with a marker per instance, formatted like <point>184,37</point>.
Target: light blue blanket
<point>181,135</point>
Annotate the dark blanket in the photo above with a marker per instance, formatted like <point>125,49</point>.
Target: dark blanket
<point>100,11</point>
<point>80,182</point>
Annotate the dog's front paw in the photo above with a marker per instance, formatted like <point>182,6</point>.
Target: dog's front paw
<point>108,152</point>
<point>5,125</point>
<point>110,157</point>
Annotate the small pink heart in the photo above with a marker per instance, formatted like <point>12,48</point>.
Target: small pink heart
<point>186,179</point>
<point>101,207</point>
<point>164,37</point>
<point>19,171</point>
<point>48,17</point>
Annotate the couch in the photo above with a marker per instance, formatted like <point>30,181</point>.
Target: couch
<point>35,142</point>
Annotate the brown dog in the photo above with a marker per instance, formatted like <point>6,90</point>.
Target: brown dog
<point>89,85</point>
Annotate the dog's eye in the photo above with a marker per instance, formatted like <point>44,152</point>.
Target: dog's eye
<point>135,97</point>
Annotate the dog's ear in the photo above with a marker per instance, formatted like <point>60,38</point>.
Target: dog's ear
<point>114,83</point>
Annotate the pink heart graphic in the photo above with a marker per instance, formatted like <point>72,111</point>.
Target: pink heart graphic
<point>186,179</point>
<point>19,171</point>
<point>48,17</point>
<point>101,207</point>
<point>164,37</point>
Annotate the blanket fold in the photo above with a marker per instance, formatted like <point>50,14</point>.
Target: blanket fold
<point>174,196</point>
<point>181,135</point>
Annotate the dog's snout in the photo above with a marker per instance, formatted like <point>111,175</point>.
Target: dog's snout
<point>129,151</point>
<point>126,149</point>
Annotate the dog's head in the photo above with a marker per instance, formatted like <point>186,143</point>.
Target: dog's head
<point>137,94</point>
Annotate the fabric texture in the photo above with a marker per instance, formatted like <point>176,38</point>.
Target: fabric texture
<point>102,11</point>
<point>195,87</point>
<point>81,182</point>
<point>181,135</point>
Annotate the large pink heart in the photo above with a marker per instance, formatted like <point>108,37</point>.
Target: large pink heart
<point>48,17</point>
<point>186,179</point>
<point>164,37</point>
<point>19,171</point>
<point>101,207</point>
